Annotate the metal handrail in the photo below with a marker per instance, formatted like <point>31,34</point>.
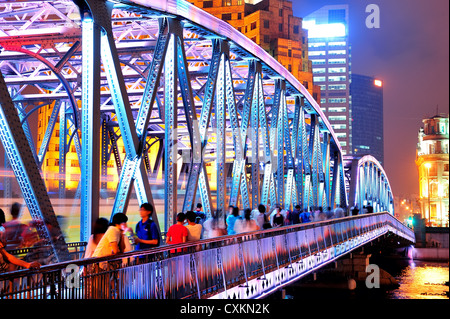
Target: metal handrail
<point>168,254</point>
<point>25,250</point>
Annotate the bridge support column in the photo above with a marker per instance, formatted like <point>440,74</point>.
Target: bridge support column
<point>355,266</point>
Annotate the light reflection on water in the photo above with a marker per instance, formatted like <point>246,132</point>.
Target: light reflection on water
<point>422,280</point>
<point>417,280</point>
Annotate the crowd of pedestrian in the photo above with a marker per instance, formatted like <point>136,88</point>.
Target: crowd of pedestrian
<point>111,238</point>
<point>193,225</point>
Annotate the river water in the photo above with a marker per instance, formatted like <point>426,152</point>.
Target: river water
<point>421,280</point>
<point>416,279</point>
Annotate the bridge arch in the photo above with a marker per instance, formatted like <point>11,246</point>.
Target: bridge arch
<point>368,183</point>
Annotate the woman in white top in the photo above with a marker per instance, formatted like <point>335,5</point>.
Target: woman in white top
<point>194,229</point>
<point>247,224</point>
<point>100,227</point>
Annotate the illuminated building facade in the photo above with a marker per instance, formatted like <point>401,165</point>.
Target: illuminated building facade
<point>329,52</point>
<point>367,113</point>
<point>433,165</point>
<point>51,163</point>
<point>272,25</point>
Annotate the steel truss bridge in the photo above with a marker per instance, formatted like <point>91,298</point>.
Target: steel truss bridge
<point>167,72</point>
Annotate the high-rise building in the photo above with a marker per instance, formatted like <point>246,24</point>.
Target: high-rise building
<point>433,164</point>
<point>367,114</point>
<point>329,52</point>
<point>272,25</point>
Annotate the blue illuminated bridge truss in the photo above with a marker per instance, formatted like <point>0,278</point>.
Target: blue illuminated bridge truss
<point>166,72</point>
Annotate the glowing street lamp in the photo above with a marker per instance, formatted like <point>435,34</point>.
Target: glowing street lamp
<point>378,83</point>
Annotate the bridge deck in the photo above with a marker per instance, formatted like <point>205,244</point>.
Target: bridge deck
<point>244,266</point>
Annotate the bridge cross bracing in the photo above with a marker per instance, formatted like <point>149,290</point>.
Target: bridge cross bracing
<point>166,72</point>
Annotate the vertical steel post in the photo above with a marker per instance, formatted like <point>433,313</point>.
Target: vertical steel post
<point>313,157</point>
<point>62,151</point>
<point>171,138</point>
<point>90,125</point>
<point>254,160</point>
<point>104,155</point>
<point>220,136</point>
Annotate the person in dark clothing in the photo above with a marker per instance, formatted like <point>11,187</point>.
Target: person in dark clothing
<point>200,215</point>
<point>147,233</point>
<point>355,210</point>
<point>266,224</point>
<point>329,213</point>
<point>305,216</point>
<point>295,215</point>
<point>278,219</point>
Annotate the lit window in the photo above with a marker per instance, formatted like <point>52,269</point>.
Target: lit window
<point>337,61</point>
<point>316,53</point>
<point>336,44</point>
<point>319,70</point>
<point>316,44</point>
<point>318,61</point>
<point>337,78</point>
<point>337,118</point>
<point>336,52</point>
<point>341,135</point>
<point>338,126</point>
<point>337,100</point>
<point>319,78</point>
<point>323,100</point>
<point>337,87</point>
<point>337,70</point>
<point>336,109</point>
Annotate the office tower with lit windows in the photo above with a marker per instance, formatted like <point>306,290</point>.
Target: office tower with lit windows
<point>272,25</point>
<point>433,165</point>
<point>329,52</point>
<point>367,113</point>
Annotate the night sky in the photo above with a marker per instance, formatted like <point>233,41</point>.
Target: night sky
<point>410,53</point>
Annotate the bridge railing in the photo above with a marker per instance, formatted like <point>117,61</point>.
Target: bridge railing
<point>207,268</point>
